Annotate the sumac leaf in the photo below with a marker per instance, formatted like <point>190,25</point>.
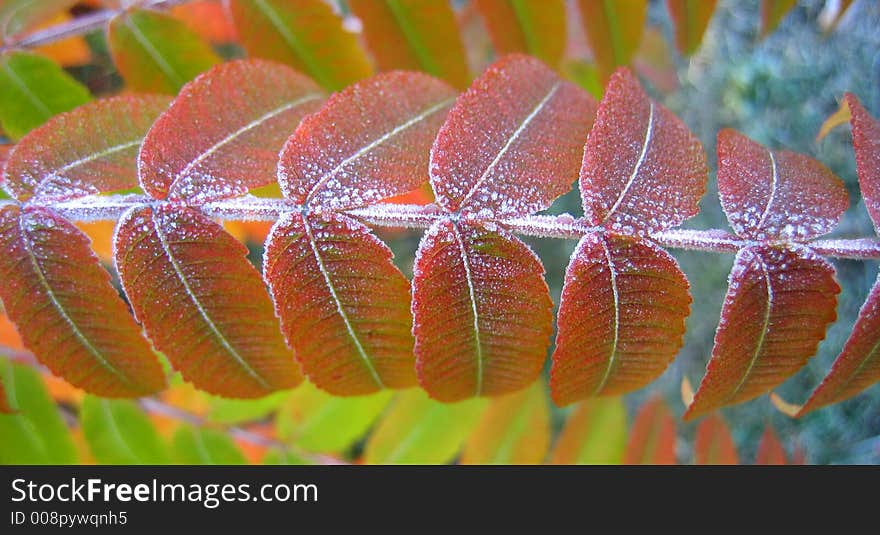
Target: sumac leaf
<point>690,19</point>
<point>772,195</point>
<point>481,312</point>
<point>92,149</point>
<point>419,35</point>
<point>201,303</point>
<point>713,444</point>
<point>71,318</point>
<point>770,450</point>
<point>613,30</point>
<point>512,142</point>
<point>155,52</point>
<point>772,13</point>
<point>305,34</point>
<point>119,432</point>
<point>643,170</point>
<point>866,143</point>
<point>621,318</point>
<point>5,407</point>
<point>369,142</point>
<point>594,433</point>
<point>222,134</point>
<point>535,27</point>
<point>17,16</point>
<point>652,437</point>
<point>344,306</point>
<point>203,446</point>
<point>777,308</point>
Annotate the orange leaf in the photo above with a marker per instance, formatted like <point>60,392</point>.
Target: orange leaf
<point>9,337</point>
<point>652,437</point>
<point>207,18</point>
<point>614,30</point>
<point>690,19</point>
<point>841,116</point>
<point>713,443</point>
<point>772,13</point>
<point>67,52</point>
<point>534,27</point>
<point>770,450</point>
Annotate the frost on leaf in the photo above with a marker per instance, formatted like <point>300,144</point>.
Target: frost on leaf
<point>621,318</point>
<point>92,149</point>
<point>777,308</point>
<point>56,292</point>
<point>512,143</point>
<point>652,437</point>
<point>866,143</point>
<point>201,302</point>
<point>369,142</point>
<point>344,306</point>
<point>643,170</point>
<point>481,312</point>
<point>221,135</point>
<point>773,195</point>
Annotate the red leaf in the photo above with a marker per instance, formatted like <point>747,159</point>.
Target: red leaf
<point>858,365</point>
<point>482,312</point>
<point>770,450</point>
<point>512,143</point>
<point>344,306</point>
<point>4,401</point>
<point>222,134</point>
<point>771,195</point>
<point>866,143</point>
<point>202,304</point>
<point>652,438</point>
<point>367,143</point>
<point>643,170</point>
<point>777,308</point>
<point>621,318</point>
<point>56,292</point>
<point>90,150</point>
<point>713,443</point>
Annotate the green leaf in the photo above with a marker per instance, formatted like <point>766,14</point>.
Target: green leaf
<point>595,433</point>
<point>317,421</point>
<point>420,430</point>
<point>155,52</point>
<point>118,432</point>
<point>235,411</point>
<point>35,433</point>
<point>277,456</point>
<point>33,89</point>
<point>196,445</point>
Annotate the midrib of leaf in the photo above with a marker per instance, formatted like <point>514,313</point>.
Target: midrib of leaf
<point>204,313</point>
<point>114,430</point>
<point>424,423</point>
<point>764,326</point>
<point>635,172</point>
<point>339,308</point>
<point>473,298</point>
<point>413,37</point>
<point>773,187</point>
<point>314,66</point>
<point>92,157</point>
<point>613,356</point>
<point>201,448</point>
<point>35,100</point>
<point>176,78</point>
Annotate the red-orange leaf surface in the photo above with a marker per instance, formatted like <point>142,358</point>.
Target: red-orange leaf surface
<point>713,443</point>
<point>512,142</point>
<point>866,143</point>
<point>643,170</point>
<point>652,437</point>
<point>621,318</point>
<point>344,306</point>
<point>56,292</point>
<point>367,143</point>
<point>770,195</point>
<point>201,302</point>
<point>4,401</point>
<point>770,450</point>
<point>690,19</point>
<point>92,149</point>
<point>481,312</point>
<point>777,308</point>
<point>222,134</point>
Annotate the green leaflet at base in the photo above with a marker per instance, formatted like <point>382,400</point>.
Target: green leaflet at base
<point>119,432</point>
<point>193,445</point>
<point>235,411</point>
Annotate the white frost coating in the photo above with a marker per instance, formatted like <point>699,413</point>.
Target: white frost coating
<point>635,173</point>
<point>470,282</point>
<point>774,181</point>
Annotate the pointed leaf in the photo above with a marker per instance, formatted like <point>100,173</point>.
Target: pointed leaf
<point>772,13</point>
<point>202,446</point>
<point>420,430</point>
<point>68,314</point>
<point>34,433</point>
<point>652,437</point>
<point>713,443</point>
<point>534,27</point>
<point>866,143</point>
<point>839,117</point>
<point>369,142</point>
<point>613,30</point>
<point>777,308</point>
<point>621,318</point>
<point>512,142</point>
<point>772,195</point>
<point>770,450</point>
<point>595,433</point>
<point>643,170</point>
<point>418,35</point>
<point>481,312</point>
<point>690,19</point>
<point>222,134</point>
<point>17,16</point>
<point>201,303</point>
<point>32,90</point>
<point>858,365</point>
<point>155,52</point>
<point>118,432</point>
<point>515,429</point>
<point>344,306</point>
<point>305,34</point>
<point>316,421</point>
<point>92,149</point>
